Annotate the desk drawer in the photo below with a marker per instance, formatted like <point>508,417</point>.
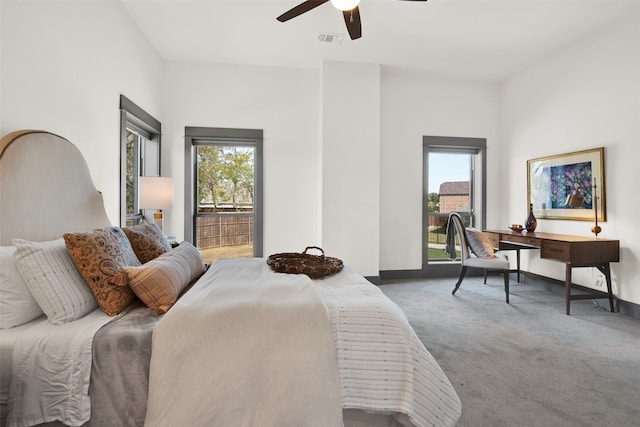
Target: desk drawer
<point>521,240</point>
<point>494,238</point>
<point>559,251</point>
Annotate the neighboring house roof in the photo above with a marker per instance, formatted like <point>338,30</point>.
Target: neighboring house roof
<point>454,188</point>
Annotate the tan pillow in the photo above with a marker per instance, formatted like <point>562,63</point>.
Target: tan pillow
<point>159,282</point>
<point>147,241</point>
<point>479,243</point>
<point>99,256</point>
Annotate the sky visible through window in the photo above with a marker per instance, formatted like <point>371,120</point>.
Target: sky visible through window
<point>444,167</point>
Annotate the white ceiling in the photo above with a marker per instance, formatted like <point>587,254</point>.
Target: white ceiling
<point>468,39</point>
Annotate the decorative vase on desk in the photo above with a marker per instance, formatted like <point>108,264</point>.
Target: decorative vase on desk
<point>531,223</point>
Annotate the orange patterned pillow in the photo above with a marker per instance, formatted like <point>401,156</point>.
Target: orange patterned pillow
<point>147,241</point>
<point>98,256</point>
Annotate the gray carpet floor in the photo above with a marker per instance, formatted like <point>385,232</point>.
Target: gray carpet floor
<point>527,363</point>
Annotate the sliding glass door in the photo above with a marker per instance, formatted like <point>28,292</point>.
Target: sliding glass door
<point>223,192</point>
<point>454,181</point>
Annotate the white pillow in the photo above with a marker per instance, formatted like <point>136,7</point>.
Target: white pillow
<point>479,243</point>
<point>17,305</point>
<point>53,280</point>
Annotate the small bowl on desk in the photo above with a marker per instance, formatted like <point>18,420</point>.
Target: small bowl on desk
<point>516,227</point>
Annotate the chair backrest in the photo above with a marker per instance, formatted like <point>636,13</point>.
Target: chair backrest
<point>458,225</point>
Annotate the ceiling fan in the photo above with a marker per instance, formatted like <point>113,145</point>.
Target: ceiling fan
<point>349,10</point>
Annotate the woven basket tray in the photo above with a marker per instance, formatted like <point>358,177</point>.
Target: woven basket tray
<point>314,266</point>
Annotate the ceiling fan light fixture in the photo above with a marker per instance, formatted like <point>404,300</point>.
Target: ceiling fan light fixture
<point>345,4</point>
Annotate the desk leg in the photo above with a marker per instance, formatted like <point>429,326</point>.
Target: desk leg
<point>567,289</point>
<point>606,270</point>
<point>518,262</point>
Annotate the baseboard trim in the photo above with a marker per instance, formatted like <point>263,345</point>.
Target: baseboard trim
<point>376,280</point>
<point>401,274</point>
<point>629,309</point>
<point>452,270</point>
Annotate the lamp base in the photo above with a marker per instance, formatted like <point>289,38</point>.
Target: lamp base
<point>158,220</point>
<point>596,229</point>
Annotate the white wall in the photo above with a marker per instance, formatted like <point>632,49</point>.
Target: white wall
<point>63,68</point>
<point>351,164</point>
<point>415,105</point>
<point>343,149</point>
<point>586,96</point>
<point>283,103</point>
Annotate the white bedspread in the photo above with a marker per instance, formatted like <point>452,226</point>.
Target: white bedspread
<point>51,368</point>
<point>238,350</point>
<point>245,347</point>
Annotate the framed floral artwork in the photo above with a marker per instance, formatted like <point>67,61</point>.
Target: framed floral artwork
<point>564,186</point>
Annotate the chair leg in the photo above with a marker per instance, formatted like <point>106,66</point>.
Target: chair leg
<point>506,284</point>
<point>463,271</point>
<point>486,271</point>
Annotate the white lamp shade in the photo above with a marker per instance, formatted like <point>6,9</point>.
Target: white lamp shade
<point>155,192</point>
<point>345,4</point>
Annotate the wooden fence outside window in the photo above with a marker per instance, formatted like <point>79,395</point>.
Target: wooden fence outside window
<point>214,231</point>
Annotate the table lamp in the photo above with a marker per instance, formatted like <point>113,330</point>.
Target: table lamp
<point>155,192</point>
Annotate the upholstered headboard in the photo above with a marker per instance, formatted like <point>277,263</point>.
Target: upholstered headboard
<point>45,188</point>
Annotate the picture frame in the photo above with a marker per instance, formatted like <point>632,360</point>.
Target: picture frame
<point>551,180</point>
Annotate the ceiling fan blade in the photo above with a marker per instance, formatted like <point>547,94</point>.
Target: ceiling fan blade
<point>352,19</point>
<point>300,9</point>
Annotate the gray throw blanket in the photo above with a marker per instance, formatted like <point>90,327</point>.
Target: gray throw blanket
<point>450,246</point>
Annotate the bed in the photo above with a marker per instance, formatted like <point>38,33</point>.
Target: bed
<point>238,345</point>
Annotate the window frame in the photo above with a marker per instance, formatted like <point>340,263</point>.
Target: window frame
<point>195,136</point>
<point>137,119</point>
<point>477,189</point>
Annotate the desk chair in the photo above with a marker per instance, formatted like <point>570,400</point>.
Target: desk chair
<point>477,252</point>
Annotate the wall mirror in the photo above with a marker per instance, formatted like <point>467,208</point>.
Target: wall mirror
<point>139,156</point>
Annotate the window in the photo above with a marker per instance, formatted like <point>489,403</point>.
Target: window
<point>224,191</point>
<point>139,156</point>
<point>454,181</point>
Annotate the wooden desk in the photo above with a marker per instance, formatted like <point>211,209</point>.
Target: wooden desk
<point>573,251</point>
